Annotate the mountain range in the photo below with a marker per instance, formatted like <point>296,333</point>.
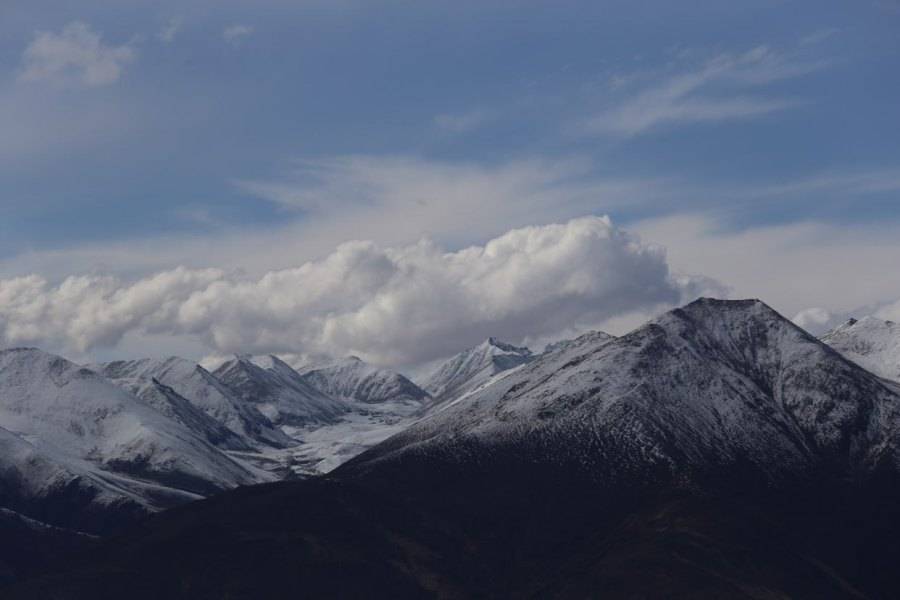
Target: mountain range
<point>716,451</point>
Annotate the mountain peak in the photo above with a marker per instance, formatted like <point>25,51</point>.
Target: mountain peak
<point>276,390</point>
<point>871,342</point>
<point>352,378</point>
<point>499,344</point>
<point>713,383</point>
<point>474,367</point>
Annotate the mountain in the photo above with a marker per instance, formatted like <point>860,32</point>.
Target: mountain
<point>356,380</point>
<point>380,403</point>
<point>204,391</point>
<point>700,390</point>
<point>29,545</point>
<point>80,452</point>
<point>474,367</point>
<point>591,337</point>
<point>175,406</point>
<point>872,343</point>
<point>716,452</point>
<point>275,389</point>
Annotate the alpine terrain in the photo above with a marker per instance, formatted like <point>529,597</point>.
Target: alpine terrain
<point>870,342</point>
<point>718,451</point>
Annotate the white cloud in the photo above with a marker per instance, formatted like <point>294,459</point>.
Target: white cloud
<point>843,268</point>
<point>462,123</point>
<point>395,305</point>
<point>77,53</point>
<point>819,36</point>
<point>447,195</point>
<point>818,320</point>
<point>389,200</point>
<point>171,29</point>
<point>890,311</point>
<point>712,91</point>
<point>234,33</point>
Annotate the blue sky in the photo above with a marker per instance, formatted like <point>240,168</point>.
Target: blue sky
<point>256,135</point>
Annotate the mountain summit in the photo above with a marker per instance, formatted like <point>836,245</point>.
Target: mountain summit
<point>353,379</point>
<point>473,368</point>
<point>718,451</point>
<point>702,388</point>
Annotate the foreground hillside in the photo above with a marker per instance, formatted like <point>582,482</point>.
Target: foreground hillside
<point>716,452</point>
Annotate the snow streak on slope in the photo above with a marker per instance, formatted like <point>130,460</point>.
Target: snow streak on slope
<point>710,386</point>
<point>204,391</point>
<point>872,343</point>
<point>474,367</point>
<point>68,431</point>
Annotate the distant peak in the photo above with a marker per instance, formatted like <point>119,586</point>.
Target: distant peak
<point>23,350</point>
<point>750,306</point>
<point>504,346</point>
<point>728,304</point>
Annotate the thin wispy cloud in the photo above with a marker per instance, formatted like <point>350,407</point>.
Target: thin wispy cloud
<point>724,87</point>
<point>461,123</point>
<point>819,36</point>
<point>235,33</point>
<point>849,184</point>
<point>446,193</point>
<point>170,30</point>
<point>76,54</point>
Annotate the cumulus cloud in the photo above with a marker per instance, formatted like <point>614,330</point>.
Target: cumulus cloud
<point>234,33</point>
<point>76,53</point>
<point>399,305</point>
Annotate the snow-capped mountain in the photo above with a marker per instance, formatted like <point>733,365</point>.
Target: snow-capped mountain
<point>718,451</point>
<point>278,391</point>
<point>78,450</point>
<point>591,337</point>
<point>713,384</point>
<point>175,406</point>
<point>870,342</point>
<point>353,379</point>
<point>203,390</point>
<point>473,368</point>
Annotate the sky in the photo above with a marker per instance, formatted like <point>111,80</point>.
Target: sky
<point>399,180</point>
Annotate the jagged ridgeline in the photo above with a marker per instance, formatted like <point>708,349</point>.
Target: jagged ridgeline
<point>718,451</point>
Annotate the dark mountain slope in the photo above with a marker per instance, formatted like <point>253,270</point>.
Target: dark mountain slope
<point>717,452</point>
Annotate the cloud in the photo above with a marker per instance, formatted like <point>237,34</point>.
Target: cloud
<point>890,311</point>
<point>389,200</point>
<point>235,33</point>
<point>819,36</point>
<point>844,268</point>
<point>393,305</point>
<point>171,29</point>
<point>445,194</point>
<point>77,53</point>
<point>458,124</point>
<point>818,320</point>
<point>712,91</point>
